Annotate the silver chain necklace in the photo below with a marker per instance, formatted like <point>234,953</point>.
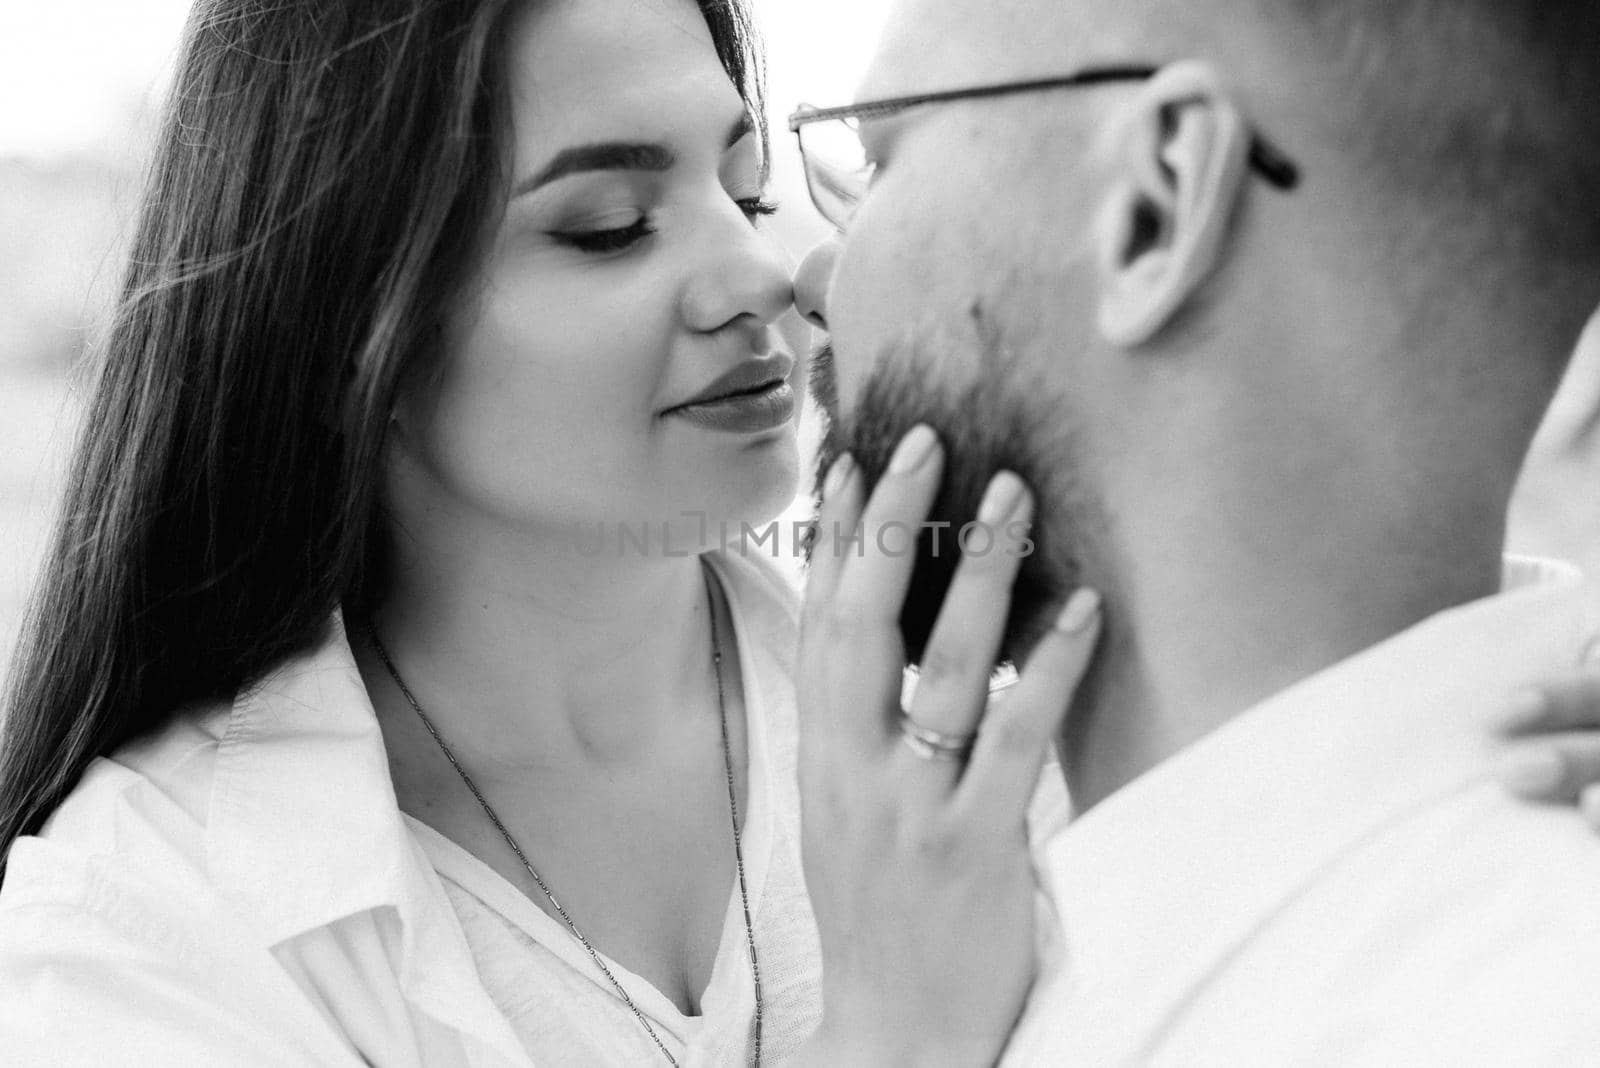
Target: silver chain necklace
<point>566,918</point>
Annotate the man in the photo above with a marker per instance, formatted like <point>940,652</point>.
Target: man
<point>1265,306</point>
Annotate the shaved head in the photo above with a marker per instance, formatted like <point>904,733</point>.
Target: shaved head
<point>1485,113</point>
<point>1484,109</point>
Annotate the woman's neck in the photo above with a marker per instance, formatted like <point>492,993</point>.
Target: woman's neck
<point>537,655</point>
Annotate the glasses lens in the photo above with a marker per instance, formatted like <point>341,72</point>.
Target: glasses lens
<point>837,170</point>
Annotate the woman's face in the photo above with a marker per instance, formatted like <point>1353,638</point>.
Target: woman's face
<point>630,274</point>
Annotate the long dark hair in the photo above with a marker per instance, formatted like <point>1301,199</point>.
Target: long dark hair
<point>320,191</point>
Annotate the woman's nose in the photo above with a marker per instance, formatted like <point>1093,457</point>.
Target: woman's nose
<point>812,279</point>
<point>745,279</point>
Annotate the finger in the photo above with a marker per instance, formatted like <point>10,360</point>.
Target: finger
<point>840,510</point>
<point>1553,767</point>
<point>872,585</point>
<point>953,680</point>
<point>852,657</point>
<point>838,696</point>
<point>1565,704</point>
<point>1004,770</point>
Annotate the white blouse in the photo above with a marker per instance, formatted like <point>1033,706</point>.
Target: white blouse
<point>243,889</point>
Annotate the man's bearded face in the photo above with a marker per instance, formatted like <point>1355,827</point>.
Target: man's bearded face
<point>1000,420</point>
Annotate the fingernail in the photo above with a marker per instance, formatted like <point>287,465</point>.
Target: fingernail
<point>1524,709</point>
<point>914,450</point>
<point>1082,608</point>
<point>1536,773</point>
<point>837,475</point>
<point>1001,499</point>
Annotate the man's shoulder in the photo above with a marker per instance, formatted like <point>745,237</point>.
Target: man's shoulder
<point>1475,908</point>
<point>1473,877</point>
<point>1465,931</point>
<point>1479,849</point>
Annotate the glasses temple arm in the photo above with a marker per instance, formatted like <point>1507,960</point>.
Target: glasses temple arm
<point>1273,165</point>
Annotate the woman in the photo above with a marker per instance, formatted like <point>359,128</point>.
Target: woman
<point>437,313</point>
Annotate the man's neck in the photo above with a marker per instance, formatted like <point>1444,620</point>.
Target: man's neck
<point>1216,629</point>
<point>1289,496</point>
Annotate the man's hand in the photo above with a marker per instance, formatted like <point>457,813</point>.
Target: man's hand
<point>917,859</point>
<point>1555,751</point>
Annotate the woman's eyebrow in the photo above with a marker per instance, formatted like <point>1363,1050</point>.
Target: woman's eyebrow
<point>602,156</point>
<point>618,156</point>
<point>743,125</point>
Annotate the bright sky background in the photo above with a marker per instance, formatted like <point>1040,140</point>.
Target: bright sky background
<point>67,66</point>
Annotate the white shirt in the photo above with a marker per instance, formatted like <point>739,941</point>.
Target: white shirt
<point>242,889</point>
<point>1334,879</point>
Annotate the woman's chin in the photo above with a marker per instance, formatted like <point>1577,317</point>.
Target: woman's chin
<point>778,480</point>
<point>752,495</point>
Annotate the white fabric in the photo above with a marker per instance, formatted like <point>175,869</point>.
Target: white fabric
<point>243,890</point>
<point>1334,879</point>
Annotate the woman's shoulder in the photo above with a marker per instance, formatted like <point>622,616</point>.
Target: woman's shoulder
<point>127,919</point>
<point>162,780</point>
<point>140,813</point>
<point>101,986</point>
<point>103,907</point>
<point>151,803</point>
<point>107,957</point>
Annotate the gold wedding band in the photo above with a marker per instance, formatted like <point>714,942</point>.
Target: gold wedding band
<point>929,744</point>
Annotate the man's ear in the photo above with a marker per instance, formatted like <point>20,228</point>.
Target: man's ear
<point>1182,158</point>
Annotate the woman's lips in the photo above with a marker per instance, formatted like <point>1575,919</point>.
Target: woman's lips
<point>743,413</point>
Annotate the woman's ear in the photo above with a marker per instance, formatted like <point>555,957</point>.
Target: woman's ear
<point>1182,160</point>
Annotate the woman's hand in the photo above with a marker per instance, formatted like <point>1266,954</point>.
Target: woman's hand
<point>1555,750</point>
<point>917,859</point>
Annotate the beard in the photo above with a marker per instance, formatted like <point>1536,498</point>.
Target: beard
<point>1004,419</point>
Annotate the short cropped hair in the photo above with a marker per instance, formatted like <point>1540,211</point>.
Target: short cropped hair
<point>1480,106</point>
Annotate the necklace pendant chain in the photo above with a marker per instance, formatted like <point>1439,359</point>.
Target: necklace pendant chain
<point>572,927</point>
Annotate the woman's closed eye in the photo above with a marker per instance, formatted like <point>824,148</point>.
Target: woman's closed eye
<point>600,240</point>
<point>606,239</point>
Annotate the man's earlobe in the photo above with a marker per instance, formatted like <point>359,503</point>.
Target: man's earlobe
<point>1182,160</point>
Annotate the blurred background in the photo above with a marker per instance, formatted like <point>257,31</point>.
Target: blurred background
<point>80,84</point>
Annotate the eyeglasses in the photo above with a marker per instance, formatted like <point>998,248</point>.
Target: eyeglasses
<point>838,171</point>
